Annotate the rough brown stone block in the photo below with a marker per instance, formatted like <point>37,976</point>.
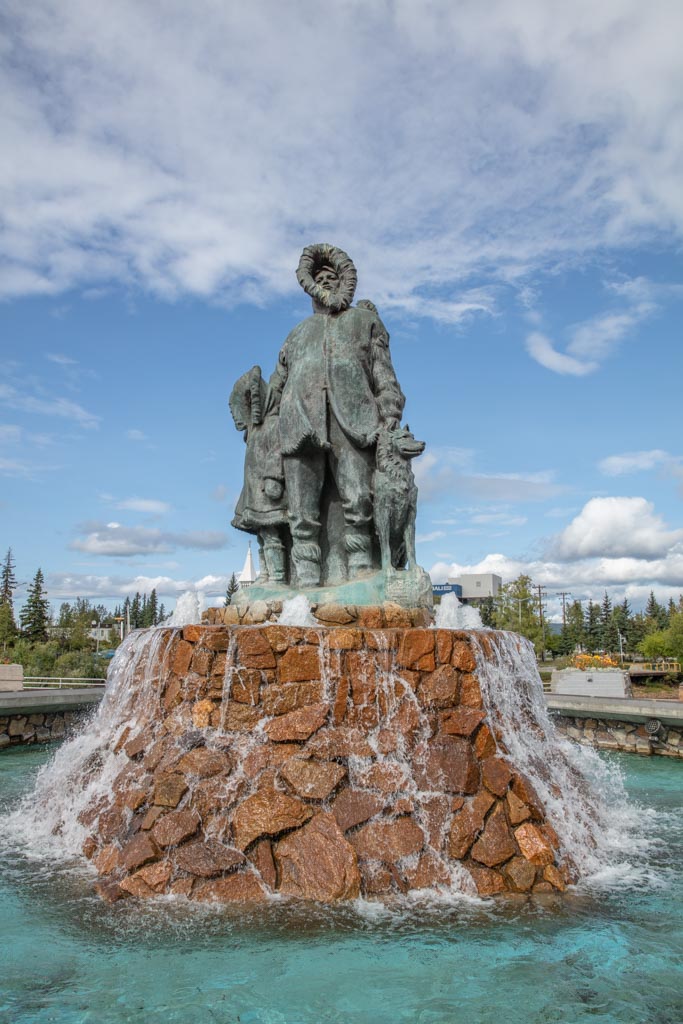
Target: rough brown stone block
<point>354,806</point>
<point>495,775</point>
<point>207,857</point>
<point>313,780</point>
<point>241,887</point>
<point>416,650</point>
<point>533,844</point>
<point>169,789</point>
<point>388,840</point>
<point>297,725</point>
<point>267,813</point>
<point>203,762</point>
<point>318,863</point>
<point>140,850</point>
<point>439,689</point>
<point>299,664</point>
<point>495,845</point>
<point>488,882</point>
<point>447,764</point>
<point>281,698</point>
<point>175,828</point>
<point>461,721</point>
<point>253,649</point>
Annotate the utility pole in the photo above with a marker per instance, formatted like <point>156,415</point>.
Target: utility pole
<point>541,594</point>
<point>564,594</point>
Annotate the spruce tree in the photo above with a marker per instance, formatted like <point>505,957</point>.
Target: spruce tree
<point>136,612</point>
<point>608,629</point>
<point>233,587</point>
<point>8,584</point>
<point>35,615</point>
<point>593,628</point>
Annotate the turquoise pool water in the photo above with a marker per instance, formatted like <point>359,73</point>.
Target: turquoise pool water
<point>611,952</point>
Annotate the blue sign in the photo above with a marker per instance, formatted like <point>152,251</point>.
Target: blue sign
<point>447,588</point>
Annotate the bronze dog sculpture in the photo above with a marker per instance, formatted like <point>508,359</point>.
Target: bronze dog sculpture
<point>396,497</point>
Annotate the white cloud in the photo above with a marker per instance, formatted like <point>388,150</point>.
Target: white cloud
<point>511,487</point>
<point>194,148</point>
<point>633,462</point>
<point>43,405</point>
<point>135,435</point>
<point>541,349</point>
<point>151,506</point>
<point>615,544</point>
<point>113,539</point>
<point>61,360</point>
<point>614,528</point>
<point>66,586</point>
<point>425,538</point>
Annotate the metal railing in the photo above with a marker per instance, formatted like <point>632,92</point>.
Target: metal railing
<point>59,682</point>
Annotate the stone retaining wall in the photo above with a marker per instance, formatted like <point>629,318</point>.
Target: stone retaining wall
<point>38,728</point>
<point>608,734</point>
<point>317,763</point>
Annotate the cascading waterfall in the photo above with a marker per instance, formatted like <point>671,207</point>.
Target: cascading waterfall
<point>582,796</point>
<point>83,772</point>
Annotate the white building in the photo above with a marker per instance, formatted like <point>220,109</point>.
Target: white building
<point>248,574</point>
<point>477,585</point>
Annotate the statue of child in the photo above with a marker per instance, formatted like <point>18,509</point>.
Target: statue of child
<point>262,505</point>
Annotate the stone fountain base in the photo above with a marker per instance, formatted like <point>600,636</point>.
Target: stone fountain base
<point>316,763</point>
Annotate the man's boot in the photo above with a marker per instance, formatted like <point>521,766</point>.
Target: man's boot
<point>359,553</point>
<point>306,562</point>
<point>277,563</point>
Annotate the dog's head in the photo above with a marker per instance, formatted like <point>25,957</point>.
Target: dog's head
<point>404,443</point>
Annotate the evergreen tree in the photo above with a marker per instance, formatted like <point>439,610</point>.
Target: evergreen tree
<point>233,587</point>
<point>8,627</point>
<point>8,584</point>
<point>573,633</point>
<point>487,611</point>
<point>593,629</point>
<point>608,630</point>
<point>655,614</point>
<point>136,612</point>
<point>35,615</point>
<point>162,613</point>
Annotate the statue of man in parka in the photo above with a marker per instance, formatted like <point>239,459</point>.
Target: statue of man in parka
<point>335,388</point>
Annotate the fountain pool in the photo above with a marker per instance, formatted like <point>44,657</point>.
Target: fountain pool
<point>609,951</point>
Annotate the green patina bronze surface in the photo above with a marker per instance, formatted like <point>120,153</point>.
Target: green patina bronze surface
<point>328,485</point>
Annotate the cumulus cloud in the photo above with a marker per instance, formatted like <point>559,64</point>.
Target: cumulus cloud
<point>115,540</point>
<point>194,148</point>
<point>615,544</point>
<point>616,528</point>
<point>66,586</point>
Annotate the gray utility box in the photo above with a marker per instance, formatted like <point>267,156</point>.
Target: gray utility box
<point>597,682</point>
<point>11,677</point>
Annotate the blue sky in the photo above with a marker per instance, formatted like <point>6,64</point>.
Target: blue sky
<point>505,177</point>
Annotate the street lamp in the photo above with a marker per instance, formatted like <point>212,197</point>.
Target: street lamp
<point>95,626</point>
<point>621,646</point>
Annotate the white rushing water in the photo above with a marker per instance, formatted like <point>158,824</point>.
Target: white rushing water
<point>297,612</point>
<point>188,610</point>
<point>83,771</point>
<point>583,796</point>
<point>584,799</point>
<point>452,614</point>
